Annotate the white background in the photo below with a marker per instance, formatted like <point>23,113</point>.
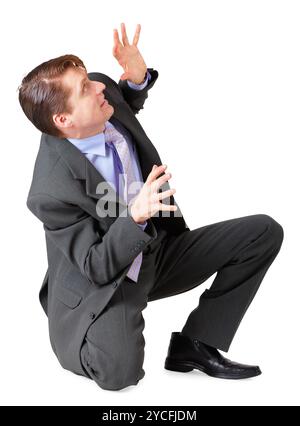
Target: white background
<point>224,115</point>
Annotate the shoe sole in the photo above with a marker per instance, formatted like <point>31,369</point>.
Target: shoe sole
<point>185,367</point>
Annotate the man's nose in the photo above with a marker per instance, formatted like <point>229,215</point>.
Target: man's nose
<point>100,87</point>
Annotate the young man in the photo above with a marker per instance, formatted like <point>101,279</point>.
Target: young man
<point>115,236</point>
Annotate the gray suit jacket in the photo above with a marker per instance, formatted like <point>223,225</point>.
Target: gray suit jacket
<point>88,255</point>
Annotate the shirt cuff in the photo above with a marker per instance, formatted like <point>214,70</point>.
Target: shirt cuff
<point>142,225</point>
<point>142,85</point>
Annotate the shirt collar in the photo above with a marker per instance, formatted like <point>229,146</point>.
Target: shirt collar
<point>93,144</point>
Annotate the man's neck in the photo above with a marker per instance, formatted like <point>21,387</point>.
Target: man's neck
<point>88,134</point>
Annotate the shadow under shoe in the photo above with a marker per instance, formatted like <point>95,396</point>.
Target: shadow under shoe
<point>186,354</point>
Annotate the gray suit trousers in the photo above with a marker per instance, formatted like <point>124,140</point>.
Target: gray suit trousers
<point>240,250</point>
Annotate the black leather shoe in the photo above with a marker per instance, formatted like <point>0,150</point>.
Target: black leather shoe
<point>185,354</point>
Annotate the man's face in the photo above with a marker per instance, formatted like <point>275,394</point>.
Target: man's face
<point>86,100</point>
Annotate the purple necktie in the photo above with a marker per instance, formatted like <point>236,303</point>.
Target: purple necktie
<point>123,165</point>
<point>118,168</point>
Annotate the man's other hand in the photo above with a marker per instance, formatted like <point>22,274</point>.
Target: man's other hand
<point>147,202</point>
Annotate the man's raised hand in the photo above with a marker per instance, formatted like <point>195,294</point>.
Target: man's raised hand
<point>129,57</point>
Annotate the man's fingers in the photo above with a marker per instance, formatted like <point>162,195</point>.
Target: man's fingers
<point>168,193</point>
<point>158,182</point>
<point>125,41</point>
<point>167,207</point>
<point>124,35</point>
<point>156,171</point>
<point>116,38</point>
<point>114,51</point>
<point>136,35</point>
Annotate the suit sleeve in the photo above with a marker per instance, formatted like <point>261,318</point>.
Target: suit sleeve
<point>136,98</point>
<point>77,235</point>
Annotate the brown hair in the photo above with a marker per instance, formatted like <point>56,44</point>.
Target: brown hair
<point>42,93</point>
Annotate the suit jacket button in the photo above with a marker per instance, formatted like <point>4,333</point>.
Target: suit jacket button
<point>92,315</point>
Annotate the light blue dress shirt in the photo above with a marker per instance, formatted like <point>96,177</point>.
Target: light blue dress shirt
<point>98,153</point>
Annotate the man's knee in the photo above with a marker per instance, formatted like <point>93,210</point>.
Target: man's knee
<point>112,371</point>
<point>274,229</point>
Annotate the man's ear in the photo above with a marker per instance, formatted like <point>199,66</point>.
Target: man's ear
<point>62,121</point>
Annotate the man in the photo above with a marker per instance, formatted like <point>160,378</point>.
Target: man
<point>111,249</point>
